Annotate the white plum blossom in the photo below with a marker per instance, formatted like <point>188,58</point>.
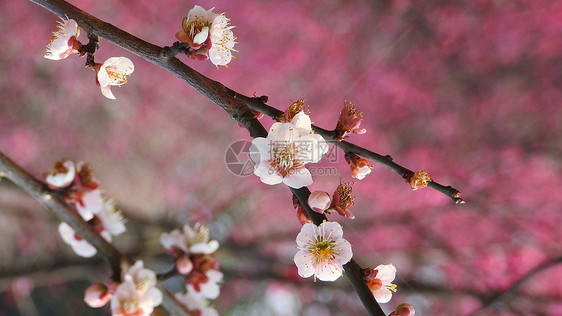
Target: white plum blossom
<point>111,218</point>
<point>90,204</point>
<point>281,157</point>
<point>113,72</point>
<point>208,35</point>
<point>380,282</point>
<point>62,175</point>
<point>137,295</point>
<point>79,245</point>
<point>196,303</point>
<point>209,289</point>
<point>190,241</point>
<point>64,40</point>
<point>128,301</point>
<point>322,251</point>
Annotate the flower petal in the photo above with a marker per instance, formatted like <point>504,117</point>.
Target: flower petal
<point>298,178</point>
<point>304,262</point>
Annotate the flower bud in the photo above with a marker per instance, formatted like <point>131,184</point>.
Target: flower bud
<point>184,265</point>
<point>359,166</point>
<point>404,309</point>
<point>319,201</point>
<point>419,179</point>
<point>97,295</point>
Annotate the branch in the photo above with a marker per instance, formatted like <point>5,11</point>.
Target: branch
<point>256,103</point>
<point>55,203</point>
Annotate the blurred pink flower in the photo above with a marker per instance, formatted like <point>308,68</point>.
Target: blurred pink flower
<point>62,174</point>
<point>196,303</point>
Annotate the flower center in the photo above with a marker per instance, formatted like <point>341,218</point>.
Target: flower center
<point>117,77</point>
<point>196,26</point>
<point>323,250</point>
<point>283,160</point>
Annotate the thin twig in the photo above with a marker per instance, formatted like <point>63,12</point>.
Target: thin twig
<point>256,103</point>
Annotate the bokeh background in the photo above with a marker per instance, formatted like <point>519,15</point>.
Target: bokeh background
<point>469,90</point>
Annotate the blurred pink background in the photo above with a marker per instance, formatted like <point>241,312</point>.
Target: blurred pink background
<point>468,90</point>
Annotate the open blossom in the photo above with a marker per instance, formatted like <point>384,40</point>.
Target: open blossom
<point>209,36</point>
<point>211,288</point>
<point>359,166</point>
<point>281,157</point>
<point>64,40</point>
<point>404,309</point>
<point>137,294</point>
<point>379,280</point>
<point>322,251</point>
<point>349,121</point>
<point>196,303</point>
<point>62,175</point>
<point>190,241</point>
<point>89,204</point>
<point>113,72</point>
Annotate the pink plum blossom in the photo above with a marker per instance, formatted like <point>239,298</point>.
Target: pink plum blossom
<point>379,281</point>
<point>209,289</point>
<point>322,251</point>
<point>319,201</point>
<point>97,295</point>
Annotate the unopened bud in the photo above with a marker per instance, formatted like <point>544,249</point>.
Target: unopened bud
<point>319,201</point>
<point>404,309</point>
<point>97,295</point>
<point>184,265</point>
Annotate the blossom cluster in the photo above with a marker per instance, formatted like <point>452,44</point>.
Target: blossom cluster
<point>194,254</point>
<point>209,36</point>
<point>64,42</point>
<point>78,187</point>
<point>135,295</point>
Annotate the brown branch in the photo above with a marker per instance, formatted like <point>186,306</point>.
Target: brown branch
<point>55,203</point>
<point>256,103</point>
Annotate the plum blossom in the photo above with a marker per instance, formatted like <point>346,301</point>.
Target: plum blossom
<point>404,309</point>
<point>209,289</point>
<point>281,157</point>
<point>359,166</point>
<point>97,295</point>
<point>64,41</point>
<point>113,72</point>
<point>90,204</point>
<point>79,245</point>
<point>137,294</point>
<point>349,122</point>
<point>111,219</point>
<point>196,303</point>
<point>209,36</point>
<point>190,241</point>
<point>62,175</point>
<point>342,200</point>
<point>379,280</point>
<point>322,251</point>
